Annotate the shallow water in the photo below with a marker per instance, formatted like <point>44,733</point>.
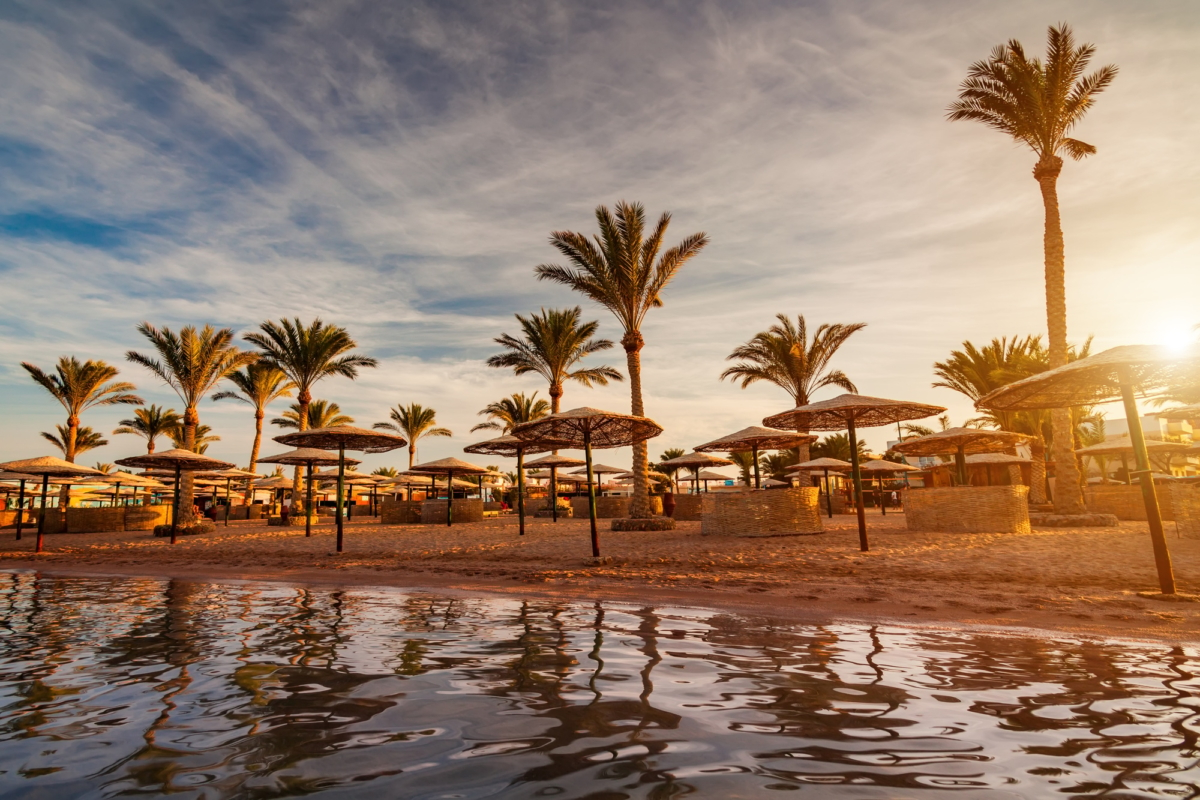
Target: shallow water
<point>132,687</point>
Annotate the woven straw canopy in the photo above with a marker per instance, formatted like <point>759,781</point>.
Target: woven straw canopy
<point>344,436</point>
<point>693,460</point>
<point>129,479</point>
<point>274,482</point>
<point>605,428</point>
<point>186,460</point>
<point>880,465</point>
<point>1095,379</point>
<point>510,446</point>
<point>1115,447</point>
<point>237,473</point>
<point>821,463</point>
<point>705,475</point>
<point>867,412</point>
<point>1182,412</point>
<point>16,476</point>
<point>303,456</point>
<point>756,438</point>
<point>449,466</point>
<point>555,460</point>
<point>971,440</point>
<point>601,469</point>
<point>49,465</point>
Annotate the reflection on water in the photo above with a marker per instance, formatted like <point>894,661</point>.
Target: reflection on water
<point>122,687</point>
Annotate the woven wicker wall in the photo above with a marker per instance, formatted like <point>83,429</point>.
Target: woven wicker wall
<point>765,513</point>
<point>144,518</point>
<point>95,520</point>
<point>1126,501</point>
<point>606,507</point>
<point>434,511</point>
<point>402,512</point>
<point>689,507</point>
<point>969,509</point>
<point>1185,500</point>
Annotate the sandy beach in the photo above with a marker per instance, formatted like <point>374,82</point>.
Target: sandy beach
<point>1088,581</point>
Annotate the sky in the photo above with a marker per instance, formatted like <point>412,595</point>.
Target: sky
<point>397,168</point>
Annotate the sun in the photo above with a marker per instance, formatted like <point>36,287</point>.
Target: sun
<point>1177,335</point>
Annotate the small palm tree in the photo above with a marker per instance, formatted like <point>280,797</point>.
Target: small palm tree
<point>669,469</point>
<point>202,438</point>
<point>387,472</point>
<point>508,413</point>
<point>80,386</point>
<point>1038,104</point>
<point>784,355</point>
<point>192,362</point>
<point>776,464</point>
<point>413,422</point>
<point>622,270</point>
<point>85,439</point>
<point>837,446</point>
<point>103,466</point>
<point>258,385</point>
<point>744,461</point>
<point>150,422</point>
<point>321,414</point>
<point>552,344</point>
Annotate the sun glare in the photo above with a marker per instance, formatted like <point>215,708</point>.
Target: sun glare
<point>1178,335</point>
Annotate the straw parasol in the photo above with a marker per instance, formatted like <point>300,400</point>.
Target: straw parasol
<point>449,467</point>
<point>554,461</point>
<point>880,467</point>
<point>850,412</point>
<point>121,478</point>
<point>1181,412</point>
<point>1102,378</point>
<point>180,461</point>
<point>756,438</point>
<point>307,457</point>
<point>590,428</point>
<point>824,465</point>
<point>46,467</point>
<point>1123,447</point>
<point>695,462</point>
<point>230,475</point>
<point>961,442</point>
<point>23,478</point>
<point>342,438</point>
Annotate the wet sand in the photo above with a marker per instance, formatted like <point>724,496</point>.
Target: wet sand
<point>1081,581</point>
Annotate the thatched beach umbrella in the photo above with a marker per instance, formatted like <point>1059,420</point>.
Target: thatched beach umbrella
<point>962,442</point>
<point>590,428</point>
<point>600,470</point>
<point>342,438</point>
<point>230,475</point>
<point>879,468</point>
<point>756,438</point>
<point>180,461</point>
<point>824,465</point>
<point>46,467</point>
<point>121,478</point>
<point>509,446</point>
<point>1179,412</point>
<point>1102,378</point>
<point>850,412</point>
<point>553,462</point>
<point>696,462</point>
<point>22,478</point>
<point>1123,448</point>
<point>449,467</point>
<point>307,457</point>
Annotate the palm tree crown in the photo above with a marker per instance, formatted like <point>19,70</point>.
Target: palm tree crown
<point>552,343</point>
<point>150,422</point>
<point>784,355</point>
<point>623,270</point>
<point>80,386</point>
<point>506,414</point>
<point>85,439</point>
<point>321,414</point>
<point>202,438</point>
<point>413,422</point>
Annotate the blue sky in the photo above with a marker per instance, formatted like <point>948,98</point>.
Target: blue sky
<point>397,167</point>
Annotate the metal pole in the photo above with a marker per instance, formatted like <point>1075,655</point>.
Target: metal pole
<point>308,503</point>
<point>859,508</point>
<point>587,447</point>
<point>175,506</point>
<point>1162,556</point>
<point>757,481</point>
<point>20,509</point>
<point>521,488</point>
<point>42,516</point>
<point>341,485</point>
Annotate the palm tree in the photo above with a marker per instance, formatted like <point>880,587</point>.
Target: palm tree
<point>413,422</point>
<point>150,422</point>
<point>777,463</point>
<point>202,439</point>
<point>80,386</point>
<point>307,354</point>
<point>744,461</point>
<point>622,270</point>
<point>85,439</point>
<point>321,414</point>
<point>387,472</point>
<point>103,466</point>
<point>509,412</point>
<point>784,356</point>
<point>837,445</point>
<point>552,343</point>
<point>1038,104</point>
<point>669,469</point>
<point>258,385</point>
<point>192,362</point>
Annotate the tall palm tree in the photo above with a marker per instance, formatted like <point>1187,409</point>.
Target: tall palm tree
<point>1038,104</point>
<point>258,385</point>
<point>784,355</point>
<point>85,439</point>
<point>622,270</point>
<point>307,354</point>
<point>150,422</point>
<point>552,344</point>
<point>80,386</point>
<point>201,439</point>
<point>192,362</point>
<point>509,412</point>
<point>413,422</point>
<point>321,414</point>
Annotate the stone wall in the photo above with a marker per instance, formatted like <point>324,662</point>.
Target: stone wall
<point>1126,501</point>
<point>761,513</point>
<point>968,509</point>
<point>1185,501</point>
<point>401,512</point>
<point>434,511</point>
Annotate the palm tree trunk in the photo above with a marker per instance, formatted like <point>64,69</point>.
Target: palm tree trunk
<point>303,398</point>
<point>258,422</point>
<point>1067,496</point>
<point>556,393</point>
<point>803,453</point>
<point>639,503</point>
<point>64,494</point>
<point>412,453</point>
<point>187,485</point>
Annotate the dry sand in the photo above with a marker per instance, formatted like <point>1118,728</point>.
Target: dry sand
<point>1071,580</point>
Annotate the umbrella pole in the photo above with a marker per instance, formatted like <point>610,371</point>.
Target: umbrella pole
<point>175,507</point>
<point>1162,556</point>
<point>587,447</point>
<point>341,486</point>
<point>960,461</point>
<point>42,516</point>
<point>554,492</point>
<point>308,503</point>
<point>228,501</point>
<point>863,544</point>
<point>882,502</point>
<point>449,498</point>
<point>828,495</point>
<point>117,494</point>
<point>521,489</point>
<point>757,480</point>
<point>1125,467</point>
<point>20,509</point>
